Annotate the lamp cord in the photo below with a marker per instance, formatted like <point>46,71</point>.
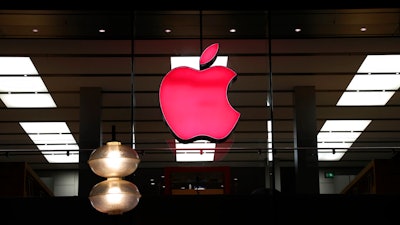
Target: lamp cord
<point>133,103</point>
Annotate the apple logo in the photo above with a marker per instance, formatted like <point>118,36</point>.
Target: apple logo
<point>194,103</point>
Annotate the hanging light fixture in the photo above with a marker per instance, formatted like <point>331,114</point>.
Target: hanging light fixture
<point>114,161</point>
<point>114,196</point>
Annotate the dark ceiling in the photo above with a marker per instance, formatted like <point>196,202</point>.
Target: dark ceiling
<point>268,56</point>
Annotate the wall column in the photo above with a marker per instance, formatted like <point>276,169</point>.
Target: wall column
<point>305,141</point>
<point>90,136</point>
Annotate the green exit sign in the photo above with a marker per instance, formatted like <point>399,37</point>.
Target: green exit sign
<point>329,174</point>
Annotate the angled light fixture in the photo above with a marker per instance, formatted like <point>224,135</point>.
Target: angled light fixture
<point>375,82</point>
<point>22,87</point>
<point>54,139</point>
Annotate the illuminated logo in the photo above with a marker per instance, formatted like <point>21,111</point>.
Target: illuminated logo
<point>194,102</point>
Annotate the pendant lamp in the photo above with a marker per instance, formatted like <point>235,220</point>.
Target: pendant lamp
<point>114,195</point>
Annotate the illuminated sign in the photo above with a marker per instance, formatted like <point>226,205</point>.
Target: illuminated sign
<point>194,102</point>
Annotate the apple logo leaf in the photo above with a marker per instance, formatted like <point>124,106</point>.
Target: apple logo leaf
<point>208,56</point>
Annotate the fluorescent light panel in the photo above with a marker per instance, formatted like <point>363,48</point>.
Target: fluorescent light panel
<point>194,61</point>
<point>22,84</point>
<point>200,150</point>
<point>18,87</point>
<point>45,127</point>
<point>53,136</point>
<point>269,140</point>
<point>42,100</point>
<point>17,66</point>
<point>62,157</point>
<point>59,155</point>
<point>336,136</point>
<point>372,98</point>
<point>195,155</point>
<point>328,155</point>
<point>380,64</point>
<point>21,87</point>
<point>375,83</point>
<point>345,125</point>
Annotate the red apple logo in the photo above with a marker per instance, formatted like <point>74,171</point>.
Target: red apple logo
<point>194,102</point>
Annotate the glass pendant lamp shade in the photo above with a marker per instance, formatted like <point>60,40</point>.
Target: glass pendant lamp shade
<point>114,196</point>
<point>114,160</point>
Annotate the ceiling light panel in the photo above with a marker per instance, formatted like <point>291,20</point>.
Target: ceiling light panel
<point>345,125</point>
<point>17,66</point>
<point>22,84</point>
<point>40,100</point>
<point>54,139</point>
<point>380,64</point>
<point>367,98</point>
<point>45,127</point>
<point>194,61</point>
<point>375,82</point>
<point>195,155</point>
<point>197,151</point>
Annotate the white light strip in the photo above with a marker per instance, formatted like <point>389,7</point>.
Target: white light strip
<point>330,155</point>
<point>53,136</point>
<point>28,100</point>
<point>372,98</point>
<point>194,61</point>
<point>45,127</point>
<point>59,155</point>
<point>380,64</point>
<point>62,157</point>
<point>22,84</point>
<point>269,141</point>
<point>375,83</point>
<point>17,66</point>
<point>19,90</point>
<point>336,136</point>
<point>200,150</point>
<point>195,155</point>
<point>345,125</point>
<point>16,88</point>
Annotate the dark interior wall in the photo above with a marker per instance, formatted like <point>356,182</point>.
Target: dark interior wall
<point>150,181</point>
<point>221,209</point>
<point>247,180</point>
<point>288,178</point>
<point>244,180</point>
